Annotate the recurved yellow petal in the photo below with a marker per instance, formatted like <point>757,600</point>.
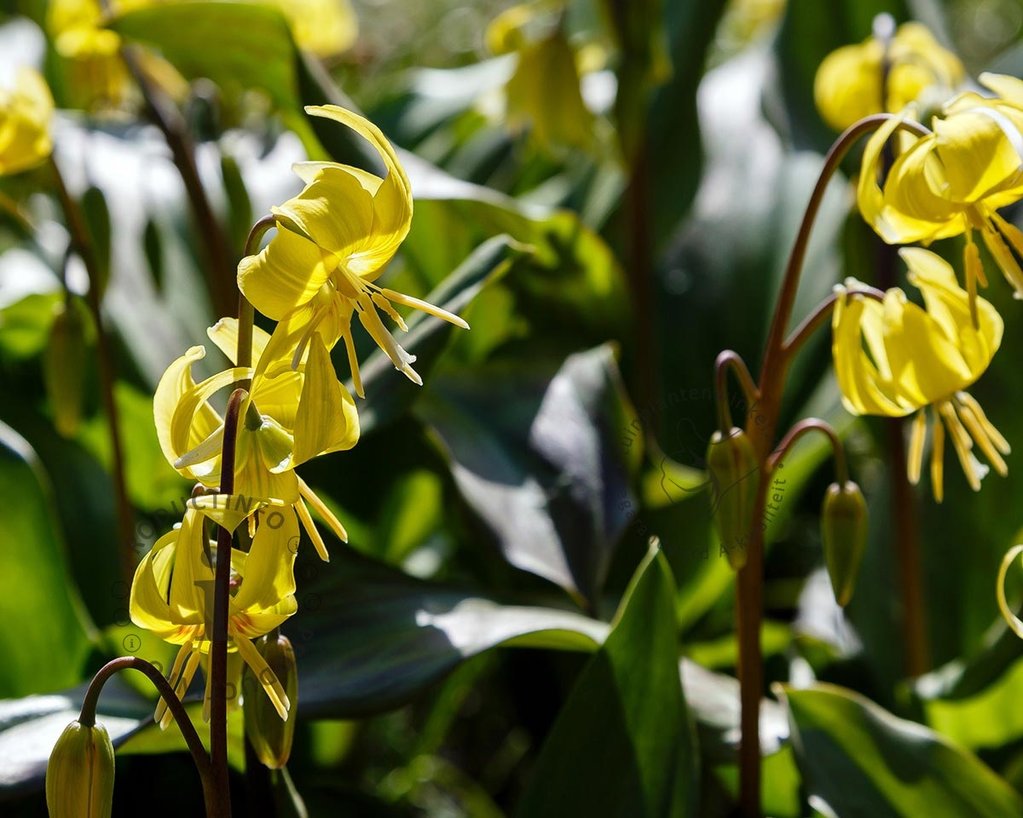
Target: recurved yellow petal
<point>25,114</point>
<point>268,581</point>
<point>392,204</point>
<point>286,274</point>
<point>327,419</point>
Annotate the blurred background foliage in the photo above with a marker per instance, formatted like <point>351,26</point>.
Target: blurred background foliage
<point>608,195</point>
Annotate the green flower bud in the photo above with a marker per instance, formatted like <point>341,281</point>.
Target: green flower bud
<point>64,366</point>
<point>733,468</point>
<point>80,773</point>
<point>844,535</point>
<point>269,734</point>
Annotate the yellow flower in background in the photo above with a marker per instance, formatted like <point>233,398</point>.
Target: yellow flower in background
<point>953,181</point>
<point>321,27</point>
<point>332,241</point>
<point>290,416</point>
<point>25,114</point>
<point>172,596</point>
<point>893,358</point>
<point>848,85</point>
<point>544,93</point>
<point>96,74</point>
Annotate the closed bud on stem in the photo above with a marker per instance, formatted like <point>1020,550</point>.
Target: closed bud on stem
<point>64,367</point>
<point>269,734</point>
<point>733,468</point>
<point>844,536</point>
<point>80,773</point>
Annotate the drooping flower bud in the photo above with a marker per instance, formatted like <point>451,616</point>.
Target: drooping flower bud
<point>844,536</point>
<point>64,367</point>
<point>269,734</point>
<point>80,773</point>
<point>732,465</point>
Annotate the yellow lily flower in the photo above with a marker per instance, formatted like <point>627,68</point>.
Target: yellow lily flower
<point>290,416</point>
<point>97,75</point>
<point>893,358</point>
<point>543,94</point>
<point>850,81</point>
<point>321,27</point>
<point>25,114</point>
<point>954,180</point>
<point>332,241</point>
<point>172,596</point>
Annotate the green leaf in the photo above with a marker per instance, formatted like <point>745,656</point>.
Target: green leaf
<point>539,457</point>
<point>25,324</point>
<point>97,217</point>
<point>369,638</point>
<point>388,392</point>
<point>863,761</point>
<point>30,726</point>
<point>623,744</point>
<point>673,135</point>
<point>46,635</point>
<point>239,46</point>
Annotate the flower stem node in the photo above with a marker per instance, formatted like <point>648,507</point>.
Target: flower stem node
<point>269,734</point>
<point>732,464</point>
<point>844,537</point>
<point>80,773</point>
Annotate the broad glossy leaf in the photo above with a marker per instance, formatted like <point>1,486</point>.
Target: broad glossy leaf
<point>369,638</point>
<point>388,392</point>
<point>237,45</point>
<point>863,761</point>
<point>46,634</point>
<point>30,726</point>
<point>623,743</point>
<point>538,456</point>
<point>673,134</point>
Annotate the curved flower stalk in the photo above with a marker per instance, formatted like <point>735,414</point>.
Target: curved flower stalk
<point>172,596</point>
<point>894,358</point>
<point>332,242</point>
<point>953,181</point>
<point>25,114</point>
<point>290,416</point>
<point>911,68</point>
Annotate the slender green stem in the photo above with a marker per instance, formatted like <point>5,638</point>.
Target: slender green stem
<point>729,360</point>
<point>761,426</point>
<point>82,244</point>
<point>800,429</point>
<point>221,608</point>
<point>192,740</point>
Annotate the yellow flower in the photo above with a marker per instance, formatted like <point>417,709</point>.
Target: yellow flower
<point>290,416</point>
<point>954,180</point>
<point>321,27</point>
<point>332,241</point>
<point>25,114</point>
<point>848,85</point>
<point>543,94</point>
<point>894,358</point>
<point>172,596</point>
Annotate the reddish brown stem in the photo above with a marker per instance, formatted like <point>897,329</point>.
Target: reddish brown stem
<point>221,609</point>
<point>192,740</point>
